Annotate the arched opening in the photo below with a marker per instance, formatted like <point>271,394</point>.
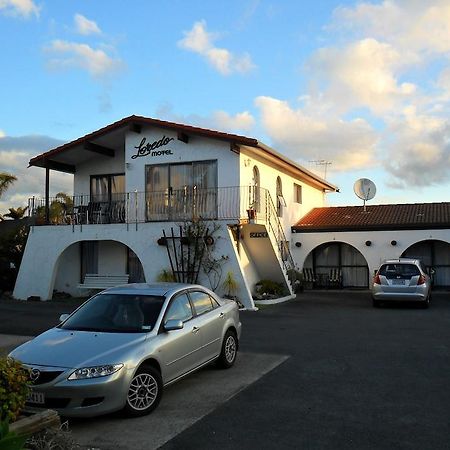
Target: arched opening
<point>435,255</point>
<point>338,264</point>
<point>256,189</point>
<point>280,198</point>
<point>107,257</point>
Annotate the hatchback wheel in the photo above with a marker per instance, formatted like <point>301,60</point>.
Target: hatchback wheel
<point>144,393</point>
<point>229,350</point>
<point>427,302</point>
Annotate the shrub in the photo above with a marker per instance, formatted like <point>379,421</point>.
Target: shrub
<point>269,287</point>
<point>13,388</point>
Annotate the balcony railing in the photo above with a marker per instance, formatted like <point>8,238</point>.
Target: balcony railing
<point>240,202</point>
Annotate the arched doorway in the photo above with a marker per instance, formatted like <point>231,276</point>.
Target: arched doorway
<point>435,254</point>
<point>280,199</point>
<point>256,191</point>
<point>105,257</point>
<point>342,258</point>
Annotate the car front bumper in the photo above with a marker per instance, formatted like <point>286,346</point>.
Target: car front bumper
<point>85,398</point>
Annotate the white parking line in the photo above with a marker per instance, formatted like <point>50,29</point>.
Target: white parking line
<point>182,405</point>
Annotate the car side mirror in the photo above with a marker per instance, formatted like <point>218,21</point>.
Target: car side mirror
<point>172,325</point>
<point>63,317</point>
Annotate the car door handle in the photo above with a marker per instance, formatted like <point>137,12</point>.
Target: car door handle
<point>221,315</point>
<point>195,330</point>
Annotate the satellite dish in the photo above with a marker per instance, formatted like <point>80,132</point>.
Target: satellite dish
<point>365,189</point>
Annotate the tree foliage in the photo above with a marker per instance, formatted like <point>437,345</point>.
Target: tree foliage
<point>6,180</point>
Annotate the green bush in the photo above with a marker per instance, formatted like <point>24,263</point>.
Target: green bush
<point>13,388</point>
<point>269,287</point>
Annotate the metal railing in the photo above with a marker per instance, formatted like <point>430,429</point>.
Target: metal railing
<point>236,202</point>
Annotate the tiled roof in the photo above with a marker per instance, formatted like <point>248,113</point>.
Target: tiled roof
<point>376,217</point>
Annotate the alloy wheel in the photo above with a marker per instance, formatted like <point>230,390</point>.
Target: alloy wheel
<point>230,349</point>
<point>143,391</point>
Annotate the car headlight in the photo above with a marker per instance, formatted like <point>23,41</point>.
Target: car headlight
<point>94,372</point>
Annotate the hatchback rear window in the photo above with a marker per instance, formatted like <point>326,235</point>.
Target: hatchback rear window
<point>399,270</point>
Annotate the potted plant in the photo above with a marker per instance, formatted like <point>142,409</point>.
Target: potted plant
<point>230,286</point>
<point>251,212</point>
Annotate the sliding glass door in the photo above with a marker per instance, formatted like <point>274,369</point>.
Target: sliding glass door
<point>181,191</point>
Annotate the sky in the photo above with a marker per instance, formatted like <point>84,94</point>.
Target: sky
<point>347,89</point>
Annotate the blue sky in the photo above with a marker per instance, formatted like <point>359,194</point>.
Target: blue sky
<point>364,86</point>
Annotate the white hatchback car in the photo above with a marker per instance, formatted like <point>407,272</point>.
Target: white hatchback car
<point>402,279</point>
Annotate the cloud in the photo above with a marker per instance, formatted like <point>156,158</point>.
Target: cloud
<point>68,55</point>
<point>304,135</point>
<point>241,121</point>
<point>85,26</point>
<point>419,26</point>
<point>218,120</point>
<point>15,153</point>
<point>200,41</point>
<point>418,151</point>
<point>23,8</point>
<point>363,73</point>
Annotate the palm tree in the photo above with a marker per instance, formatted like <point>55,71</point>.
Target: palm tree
<point>6,180</point>
<point>16,213</point>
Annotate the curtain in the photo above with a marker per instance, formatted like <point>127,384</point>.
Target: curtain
<point>89,260</point>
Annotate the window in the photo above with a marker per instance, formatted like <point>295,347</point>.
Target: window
<point>181,190</point>
<point>297,193</point>
<point>202,302</point>
<point>106,188</point>
<point>281,202</point>
<point>180,309</point>
<point>256,195</point>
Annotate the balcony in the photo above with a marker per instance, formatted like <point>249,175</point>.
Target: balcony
<point>227,203</point>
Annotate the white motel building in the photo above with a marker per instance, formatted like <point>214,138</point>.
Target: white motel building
<point>153,197</point>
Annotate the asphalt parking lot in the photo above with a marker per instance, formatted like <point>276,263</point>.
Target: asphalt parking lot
<point>325,371</point>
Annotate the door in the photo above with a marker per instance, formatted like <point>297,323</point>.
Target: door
<point>210,322</point>
<point>181,191</point>
<point>180,350</point>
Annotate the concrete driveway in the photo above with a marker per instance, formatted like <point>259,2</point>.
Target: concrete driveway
<point>355,378</point>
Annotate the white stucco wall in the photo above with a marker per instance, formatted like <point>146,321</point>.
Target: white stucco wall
<point>67,279</point>
<point>97,165</point>
<point>42,262</point>
<point>197,149</point>
<point>379,250</point>
<point>312,196</point>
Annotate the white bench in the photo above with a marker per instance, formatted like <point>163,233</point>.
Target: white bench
<point>97,281</point>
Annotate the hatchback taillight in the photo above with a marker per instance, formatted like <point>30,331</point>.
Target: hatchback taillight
<point>421,280</point>
<point>376,279</point>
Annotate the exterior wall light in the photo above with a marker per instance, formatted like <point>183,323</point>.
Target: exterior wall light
<point>394,243</point>
<point>368,243</point>
<point>298,244</point>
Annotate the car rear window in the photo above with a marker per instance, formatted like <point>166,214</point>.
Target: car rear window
<point>399,270</point>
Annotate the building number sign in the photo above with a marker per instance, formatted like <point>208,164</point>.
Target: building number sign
<point>259,234</point>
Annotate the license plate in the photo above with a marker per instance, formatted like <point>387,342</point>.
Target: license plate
<point>398,281</point>
<point>36,397</point>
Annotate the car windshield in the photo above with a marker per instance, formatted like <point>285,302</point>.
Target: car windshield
<point>399,270</point>
<point>116,313</point>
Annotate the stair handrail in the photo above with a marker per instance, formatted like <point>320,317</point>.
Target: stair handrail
<point>280,237</point>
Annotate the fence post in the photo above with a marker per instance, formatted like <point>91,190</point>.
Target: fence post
<point>136,209</point>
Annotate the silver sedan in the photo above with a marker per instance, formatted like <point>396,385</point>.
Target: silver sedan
<point>121,347</point>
